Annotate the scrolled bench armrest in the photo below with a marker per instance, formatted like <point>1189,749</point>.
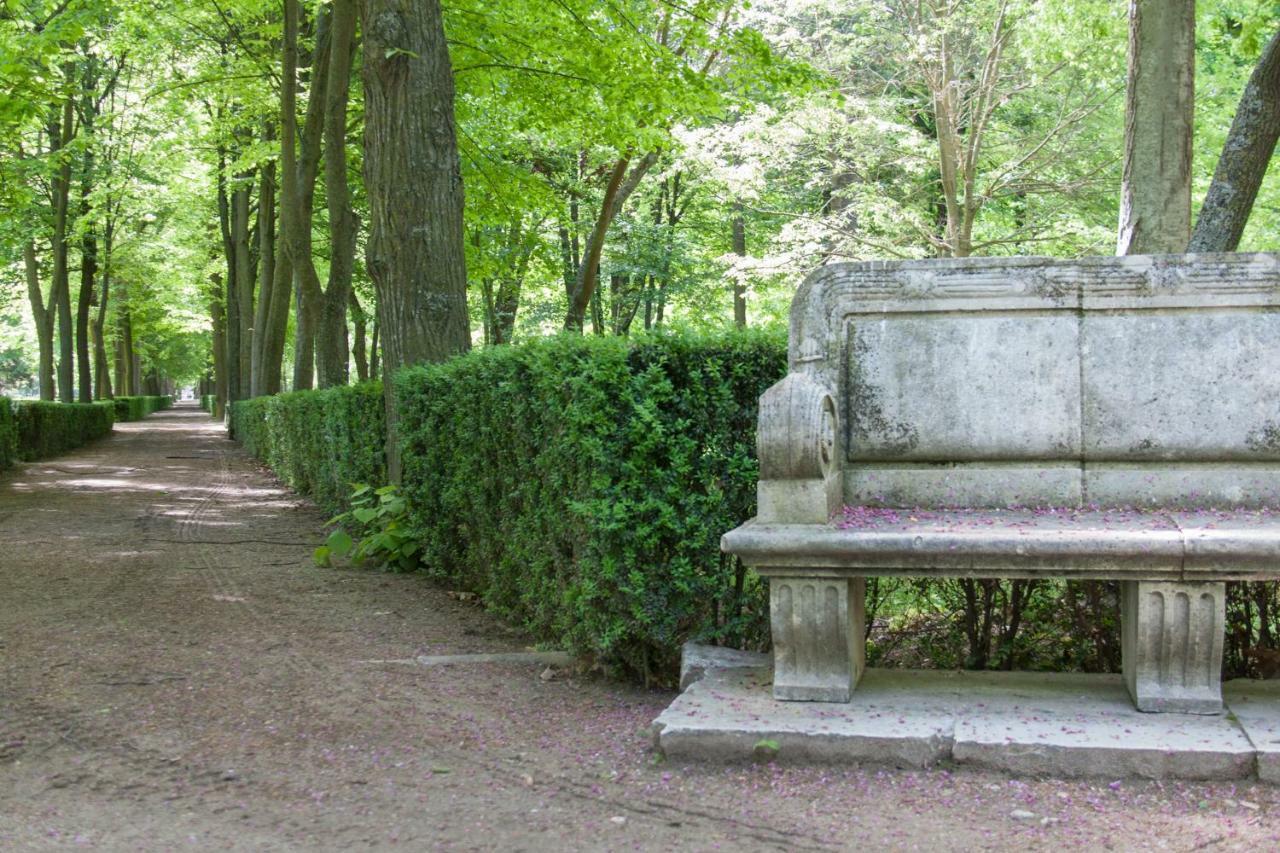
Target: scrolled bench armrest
<point>797,441</point>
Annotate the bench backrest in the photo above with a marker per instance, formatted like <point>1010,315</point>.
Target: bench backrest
<point>1034,381</point>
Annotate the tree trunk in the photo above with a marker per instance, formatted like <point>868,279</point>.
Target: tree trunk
<point>130,383</point>
<point>739,249</point>
<point>277,316</point>
<point>43,315</point>
<point>1155,191</point>
<point>331,337</point>
<point>375,350</point>
<point>242,319</point>
<point>298,234</point>
<point>62,132</point>
<point>217,314</point>
<point>266,271</point>
<point>101,370</point>
<point>414,180</point>
<point>231,293</point>
<point>359,349</point>
<point>88,276</point>
<point>1244,159</point>
<point>620,187</point>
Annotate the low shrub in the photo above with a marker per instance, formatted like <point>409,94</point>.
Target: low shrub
<point>581,485</point>
<point>209,402</point>
<point>137,408</point>
<point>46,429</point>
<point>320,443</point>
<point>8,434</point>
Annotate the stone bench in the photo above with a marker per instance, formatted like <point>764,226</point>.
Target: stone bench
<point>971,390</point>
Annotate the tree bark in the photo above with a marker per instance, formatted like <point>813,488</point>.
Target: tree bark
<point>62,131</point>
<point>739,249</point>
<point>1244,159</point>
<point>217,314</point>
<point>414,181</point>
<point>101,369</point>
<point>43,316</point>
<point>84,303</point>
<point>620,187</point>
<point>242,319</point>
<point>231,293</point>
<point>1155,191</point>
<point>277,316</point>
<point>331,337</point>
<point>298,234</point>
<point>266,271</point>
<point>359,350</point>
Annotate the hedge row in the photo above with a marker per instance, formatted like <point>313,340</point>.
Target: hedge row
<point>8,434</point>
<point>581,486</point>
<point>137,408</point>
<point>319,442</point>
<point>47,429</point>
<point>209,402</point>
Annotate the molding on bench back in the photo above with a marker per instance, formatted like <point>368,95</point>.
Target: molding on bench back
<point>797,441</point>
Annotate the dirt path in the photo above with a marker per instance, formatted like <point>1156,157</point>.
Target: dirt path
<point>176,674</point>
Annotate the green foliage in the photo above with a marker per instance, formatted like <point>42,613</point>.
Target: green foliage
<point>137,408</point>
<point>209,402</point>
<point>47,429</point>
<point>581,486</point>
<point>318,442</point>
<point>378,517</point>
<point>8,434</point>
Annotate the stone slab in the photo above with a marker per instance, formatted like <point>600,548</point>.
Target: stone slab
<point>1255,705</point>
<point>722,718</point>
<point>1061,725</point>
<point>697,659</point>
<point>1086,725</point>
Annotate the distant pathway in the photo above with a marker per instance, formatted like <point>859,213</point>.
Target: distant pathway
<point>175,673</point>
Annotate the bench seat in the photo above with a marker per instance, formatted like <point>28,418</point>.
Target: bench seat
<point>1120,544</point>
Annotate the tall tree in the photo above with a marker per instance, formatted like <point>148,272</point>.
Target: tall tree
<point>1244,158</point>
<point>331,332</point>
<point>1155,189</point>
<point>413,177</point>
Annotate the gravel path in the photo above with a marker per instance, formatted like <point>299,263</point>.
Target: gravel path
<point>176,674</point>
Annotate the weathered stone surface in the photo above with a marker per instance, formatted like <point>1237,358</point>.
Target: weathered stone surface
<point>889,720</point>
<point>963,387</point>
<point>1086,725</point>
<point>1013,382</point>
<point>1171,642</point>
<point>819,636</point>
<point>1255,705</point>
<point>1025,723</point>
<point>1182,485</point>
<point>985,484</point>
<point>796,440</point>
<point>1162,360</point>
<point>1181,385</point>
<point>697,660</point>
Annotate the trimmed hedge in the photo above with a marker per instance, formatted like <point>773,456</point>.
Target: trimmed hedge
<point>209,402</point>
<point>581,486</point>
<point>318,442</point>
<point>137,408</point>
<point>8,434</point>
<point>47,429</point>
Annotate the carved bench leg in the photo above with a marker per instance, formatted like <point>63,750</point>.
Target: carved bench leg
<point>1171,643</point>
<point>819,628</point>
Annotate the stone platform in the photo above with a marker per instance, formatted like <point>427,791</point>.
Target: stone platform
<point>1064,725</point>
